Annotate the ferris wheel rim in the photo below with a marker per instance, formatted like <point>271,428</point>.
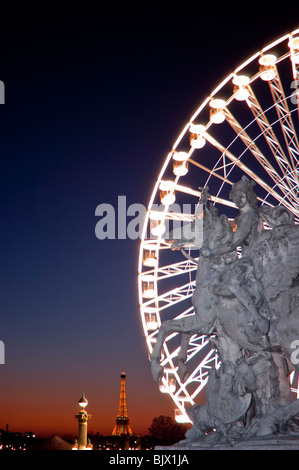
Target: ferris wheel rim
<point>159,242</point>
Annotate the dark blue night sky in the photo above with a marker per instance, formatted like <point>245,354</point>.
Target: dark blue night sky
<point>93,102</point>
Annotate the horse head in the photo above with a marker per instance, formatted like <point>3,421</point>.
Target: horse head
<point>216,229</point>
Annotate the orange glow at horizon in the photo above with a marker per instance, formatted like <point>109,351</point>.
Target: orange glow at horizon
<point>46,413</point>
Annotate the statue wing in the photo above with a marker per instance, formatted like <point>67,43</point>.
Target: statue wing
<point>275,257</point>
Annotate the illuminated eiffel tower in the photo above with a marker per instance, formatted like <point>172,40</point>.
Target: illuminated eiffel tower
<point>122,426</point>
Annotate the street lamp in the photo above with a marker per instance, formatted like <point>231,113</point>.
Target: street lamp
<point>82,418</point>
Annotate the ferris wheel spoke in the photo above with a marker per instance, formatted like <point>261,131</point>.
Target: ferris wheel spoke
<point>172,297</point>
<point>221,170</point>
<point>175,269</point>
<point>293,45</point>
<point>210,172</point>
<point>282,199</point>
<point>285,119</point>
<point>253,148</point>
<point>186,313</point>
<point>198,194</point>
<point>169,355</point>
<point>267,132</point>
<point>201,372</point>
<point>172,215</point>
<point>196,344</point>
<point>245,169</point>
<point>293,41</point>
<point>195,192</point>
<point>198,376</point>
<point>289,198</point>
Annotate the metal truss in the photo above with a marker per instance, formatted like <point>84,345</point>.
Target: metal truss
<point>175,269</point>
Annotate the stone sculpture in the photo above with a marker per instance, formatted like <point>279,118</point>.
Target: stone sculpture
<point>249,305</point>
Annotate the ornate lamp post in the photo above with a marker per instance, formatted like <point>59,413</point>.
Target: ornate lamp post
<point>82,418</point>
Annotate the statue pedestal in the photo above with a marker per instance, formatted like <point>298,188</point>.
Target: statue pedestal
<point>262,443</point>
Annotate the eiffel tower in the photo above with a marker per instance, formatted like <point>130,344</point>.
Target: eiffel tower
<point>122,426</point>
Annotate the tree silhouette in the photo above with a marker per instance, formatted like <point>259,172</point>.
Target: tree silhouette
<point>166,431</point>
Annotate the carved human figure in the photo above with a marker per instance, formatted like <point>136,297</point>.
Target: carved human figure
<point>248,227</point>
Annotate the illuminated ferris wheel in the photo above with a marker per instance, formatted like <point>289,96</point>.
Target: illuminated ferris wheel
<point>247,125</point>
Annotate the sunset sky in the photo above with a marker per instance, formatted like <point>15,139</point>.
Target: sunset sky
<point>93,103</point>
